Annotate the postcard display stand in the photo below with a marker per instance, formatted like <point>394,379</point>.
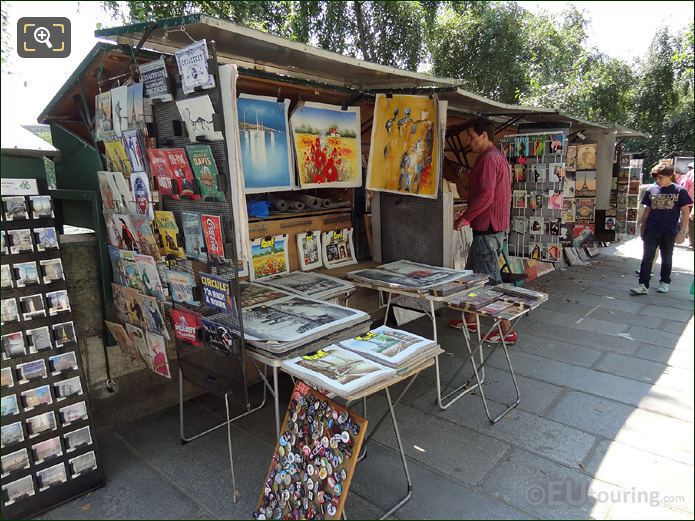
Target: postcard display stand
<point>627,194</point>
<point>49,452</point>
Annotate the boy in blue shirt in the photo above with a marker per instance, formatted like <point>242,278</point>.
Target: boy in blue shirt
<point>665,203</point>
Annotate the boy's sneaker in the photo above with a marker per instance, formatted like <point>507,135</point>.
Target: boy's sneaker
<point>510,338</point>
<point>663,287</point>
<point>640,290</point>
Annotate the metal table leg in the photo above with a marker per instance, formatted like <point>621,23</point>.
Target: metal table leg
<point>276,395</point>
<point>235,492</point>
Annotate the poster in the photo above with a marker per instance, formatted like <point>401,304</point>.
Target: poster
<point>194,240</point>
<point>519,199</point>
<point>582,235</point>
<point>116,157</point>
<point>217,293</point>
<point>192,62</point>
<point>252,294</point>
<point>555,200</point>
<point>391,347</point>
<point>186,326</point>
<point>205,171</point>
<point>168,233</point>
<point>309,250</point>
<point>220,336</point>
<point>337,248</point>
<point>585,184</point>
<point>102,114</point>
<point>141,194</point>
<point>535,225</point>
<point>212,232</point>
<point>270,256</point>
<point>310,285</point>
<point>133,144</point>
<point>584,210</point>
<point>327,145</point>
<point>156,349</point>
<point>404,155</point>
<point>266,155</point>
<point>571,159</point>
<point>125,343</point>
<point>119,109</point>
<point>586,157</point>
<point>198,115</point>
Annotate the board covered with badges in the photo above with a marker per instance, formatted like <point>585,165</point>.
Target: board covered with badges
<point>314,459</point>
<point>48,449</point>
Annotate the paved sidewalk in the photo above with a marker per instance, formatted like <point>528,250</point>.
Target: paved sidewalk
<point>604,429</point>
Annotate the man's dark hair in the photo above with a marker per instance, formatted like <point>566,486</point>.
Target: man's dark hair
<point>480,125</point>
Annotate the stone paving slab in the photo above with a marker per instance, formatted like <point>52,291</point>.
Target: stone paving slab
<point>658,338</point>
<point>568,320</point>
<point>682,315</point>
<point>559,350</point>
<point>675,358</point>
<point>645,371</point>
<point>611,315</point>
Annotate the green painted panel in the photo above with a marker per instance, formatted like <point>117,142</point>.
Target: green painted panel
<point>17,167</point>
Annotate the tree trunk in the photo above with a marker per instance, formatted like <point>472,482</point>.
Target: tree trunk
<point>363,32</point>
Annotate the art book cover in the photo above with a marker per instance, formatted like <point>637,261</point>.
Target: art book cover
<point>193,236</point>
<point>205,171</point>
<point>586,157</point>
<point>125,343</point>
<point>555,200</point>
<point>536,225</point>
<point>156,350</point>
<point>404,154</point>
<point>102,114</point>
<point>571,159</point>
<point>219,336</point>
<point>168,233</point>
<point>133,143</point>
<point>119,109</point>
<point>391,347</point>
<point>568,210</point>
<point>327,145</point>
<point>535,250</point>
<point>270,256</point>
<point>266,155</point>
<point>337,369</point>
<point>520,224</point>
<point>519,199</point>
<point>556,172</point>
<point>309,250</point>
<point>181,285</point>
<point>213,235</point>
<point>154,320</point>
<point>585,210</point>
<point>156,80</point>
<point>192,62</point>
<point>149,274</point>
<point>553,252</point>
<point>253,294</point>
<point>337,248</point>
<point>187,327</point>
<point>162,171</point>
<point>539,172</point>
<point>116,157</point>
<point>142,195</point>
<point>520,173</point>
<point>182,174</point>
<point>585,184</point>
<point>217,293</point>
<point>198,115</point>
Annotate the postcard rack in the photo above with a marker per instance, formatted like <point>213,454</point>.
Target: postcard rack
<point>49,451</point>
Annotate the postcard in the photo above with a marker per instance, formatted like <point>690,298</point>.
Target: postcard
<point>35,397</point>
<point>64,333</point>
<point>72,413</point>
<point>13,345</point>
<point>41,423</point>
<point>15,461</point>
<point>309,250</point>
<point>77,438</point>
<point>39,339</point>
<point>66,388</point>
<point>62,362</point>
<point>11,433</point>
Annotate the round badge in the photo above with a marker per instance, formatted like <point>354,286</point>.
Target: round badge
<point>287,480</point>
<point>337,490</point>
<point>306,450</point>
<point>336,462</point>
<point>323,473</point>
<point>330,482</point>
<point>285,495</point>
<point>310,469</point>
<point>320,497</point>
<point>324,442</point>
<point>329,469</point>
<point>344,436</point>
<point>343,417</point>
<point>330,509</point>
<point>334,443</point>
<point>290,457</point>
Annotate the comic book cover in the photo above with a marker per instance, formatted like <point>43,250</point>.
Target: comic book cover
<point>181,171</point>
<point>205,171</point>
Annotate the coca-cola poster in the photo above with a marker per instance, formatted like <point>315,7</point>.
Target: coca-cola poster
<point>212,231</point>
<point>186,326</point>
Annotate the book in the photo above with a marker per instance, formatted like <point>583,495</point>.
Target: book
<point>193,238</point>
<point>388,346</point>
<point>475,299</point>
<point>168,233</point>
<point>205,171</point>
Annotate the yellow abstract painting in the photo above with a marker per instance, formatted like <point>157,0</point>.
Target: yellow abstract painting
<point>405,148</point>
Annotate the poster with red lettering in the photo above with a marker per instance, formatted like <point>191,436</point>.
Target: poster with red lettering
<point>212,231</point>
<point>162,171</point>
<point>186,326</point>
<point>182,173</point>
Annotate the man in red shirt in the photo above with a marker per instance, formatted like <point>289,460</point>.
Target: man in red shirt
<point>490,189</point>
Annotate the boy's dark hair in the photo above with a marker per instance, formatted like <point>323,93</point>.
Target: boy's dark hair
<point>663,169</point>
<point>480,125</point>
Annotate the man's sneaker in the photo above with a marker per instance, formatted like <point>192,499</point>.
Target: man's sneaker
<point>640,290</point>
<point>458,324</point>
<point>509,339</point>
<point>663,287</point>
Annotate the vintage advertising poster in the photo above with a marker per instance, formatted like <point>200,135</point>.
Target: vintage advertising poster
<point>149,274</point>
<point>553,252</point>
<point>217,293</point>
<point>145,236</point>
<point>193,236</point>
<point>168,233</point>
<point>520,224</point>
<point>404,155</point>
<point>391,347</point>
<point>585,184</point>
<point>205,171</point>
<point>119,109</point>
<point>156,350</point>
<point>220,337</point>
<point>116,158</point>
<point>585,210</point>
<point>270,256</point>
<point>181,172</point>
<point>141,193</point>
<point>137,337</point>
<point>555,200</point>
<point>337,249</point>
<point>571,159</point>
<point>556,172</point>
<point>538,172</point>
<point>198,115</point>
<point>535,250</point>
<point>154,320</point>
<point>519,199</point>
<point>133,144</point>
<point>537,145</point>
<point>156,80</point>
<point>536,225</point>
<point>102,114</point>
<point>193,67</point>
<point>181,285</point>
<point>586,157</point>
<point>125,343</point>
<point>186,326</point>
<point>309,250</point>
<point>327,145</point>
<point>264,136</point>
<point>161,170</point>
<point>212,232</point>
<point>583,235</point>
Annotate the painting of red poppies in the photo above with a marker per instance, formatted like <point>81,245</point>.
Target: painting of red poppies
<point>327,144</point>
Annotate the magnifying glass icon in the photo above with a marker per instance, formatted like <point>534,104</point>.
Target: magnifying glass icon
<point>43,35</point>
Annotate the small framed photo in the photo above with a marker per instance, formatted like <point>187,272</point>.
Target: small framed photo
<point>20,241</point>
<point>46,450</point>
<point>52,270</point>
<point>26,273</point>
<point>41,207</point>
<point>9,405</point>
<point>13,345</point>
<point>35,397</point>
<point>66,388</point>
<point>10,310</point>
<point>7,378</point>
<point>11,434</point>
<point>64,333</point>
<point>32,306</point>
<point>15,208</point>
<point>83,463</point>
<point>41,423</point>
<point>6,277</point>
<point>58,302</point>
<point>18,490</point>
<point>74,412</point>
<point>63,362</point>
<point>46,239</point>
<point>54,475</point>
<point>78,438</point>
<point>32,370</point>
<point>17,460</point>
<point>39,339</point>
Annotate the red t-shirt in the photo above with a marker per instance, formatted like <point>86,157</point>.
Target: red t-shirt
<point>490,192</point>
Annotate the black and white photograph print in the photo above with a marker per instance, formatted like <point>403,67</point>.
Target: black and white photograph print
<point>41,423</point>
<point>62,362</point>
<point>4,242</point>
<point>18,490</point>
<point>48,449</point>
<point>77,438</point>
<point>32,370</point>
<point>20,241</point>
<point>58,302</point>
<point>26,273</point>
<point>83,463</point>
<point>41,207</point>
<point>52,270</point>
<point>17,460</point>
<point>13,345</point>
<point>74,412</point>
<point>46,239</point>
<point>66,388</point>
<point>32,306</point>
<point>309,285</point>
<point>36,397</point>
<point>39,339</point>
<point>64,333</point>
<point>51,476</point>
<point>15,208</point>
<point>11,433</point>
<point>6,277</point>
<point>7,378</point>
<point>10,310</point>
<point>9,405</point>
